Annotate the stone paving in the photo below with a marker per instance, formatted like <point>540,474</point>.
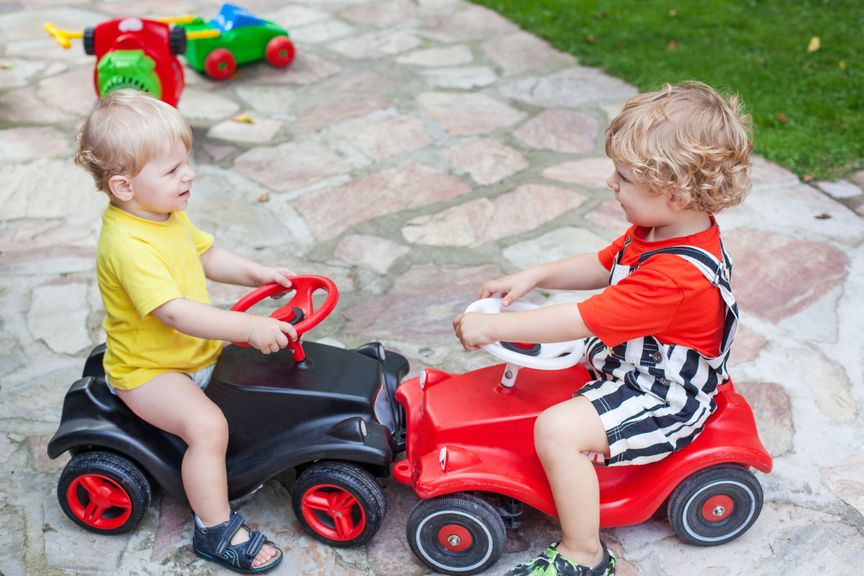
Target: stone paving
<point>413,150</point>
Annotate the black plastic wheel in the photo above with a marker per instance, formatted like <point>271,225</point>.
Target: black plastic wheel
<point>177,40</point>
<point>457,534</point>
<point>715,505</point>
<point>338,503</point>
<point>103,492</point>
<point>89,41</point>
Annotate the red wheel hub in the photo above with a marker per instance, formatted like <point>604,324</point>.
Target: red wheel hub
<point>280,51</point>
<point>717,508</point>
<point>333,512</point>
<point>455,537</point>
<point>99,501</point>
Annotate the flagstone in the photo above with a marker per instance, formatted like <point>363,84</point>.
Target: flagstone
<point>463,77</point>
<point>370,252</point>
<point>590,172</point>
<point>33,190</point>
<point>839,189</point>
<point>555,245</point>
<point>479,221</point>
<point>609,216</point>
<point>70,91</point>
<point>198,104</point>
<point>846,480</point>
<point>432,57</point>
<point>330,211</point>
<point>777,276</point>
<point>365,82</point>
<point>274,101</point>
<point>830,385</point>
<point>376,44</point>
<point>148,8</point>
<point>260,131</point>
<point>572,88</point>
<point>487,160</point>
<point>470,23</point>
<point>766,173</point>
<point>21,144</point>
<point>23,105</point>
<point>175,527</point>
<point>382,14</point>
<point>390,137</point>
<point>421,305</point>
<point>336,111</point>
<point>290,165</point>
<point>307,68</point>
<point>320,32</point>
<point>218,151</point>
<point>15,73</point>
<point>772,409</point>
<point>747,345</point>
<point>561,131</point>
<point>293,16</point>
<point>57,317</point>
<point>520,51</point>
<point>463,114</point>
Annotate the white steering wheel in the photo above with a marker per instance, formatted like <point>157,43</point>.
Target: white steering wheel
<point>551,356</point>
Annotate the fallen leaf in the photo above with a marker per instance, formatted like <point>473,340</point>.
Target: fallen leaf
<point>6,65</point>
<point>807,177</point>
<point>244,119</point>
<point>842,64</point>
<point>673,13</point>
<point>823,216</point>
<point>263,197</point>
<point>781,117</point>
<point>590,38</point>
<point>814,44</point>
<point>602,14</point>
<point>672,45</point>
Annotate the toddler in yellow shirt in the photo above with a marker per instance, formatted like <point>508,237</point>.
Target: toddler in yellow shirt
<point>163,336</point>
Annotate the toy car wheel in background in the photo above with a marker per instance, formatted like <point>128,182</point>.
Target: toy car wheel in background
<point>177,40</point>
<point>458,534</point>
<point>715,505</point>
<point>103,492</point>
<point>280,51</point>
<point>88,39</point>
<point>220,64</point>
<point>338,503</point>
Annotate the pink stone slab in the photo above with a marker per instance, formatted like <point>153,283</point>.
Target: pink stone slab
<point>609,216</point>
<point>376,44</point>
<point>521,51</point>
<point>473,22</point>
<point>370,252</point>
<point>390,137</point>
<point>336,111</point>
<point>381,14</point>
<point>291,165</point>
<point>175,521</point>
<point>487,160</point>
<point>462,114</point>
<point>330,211</point>
<point>560,130</point>
<point>592,172</point>
<point>773,411</point>
<point>480,221</point>
<point>777,276</point>
<point>306,69</point>
<point>421,306</point>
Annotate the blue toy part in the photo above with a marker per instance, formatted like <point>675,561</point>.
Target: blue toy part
<point>231,17</point>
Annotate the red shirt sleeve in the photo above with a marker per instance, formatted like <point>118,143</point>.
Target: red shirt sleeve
<point>607,255</point>
<point>642,304</point>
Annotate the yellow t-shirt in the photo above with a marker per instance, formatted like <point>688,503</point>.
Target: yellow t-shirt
<point>140,265</point>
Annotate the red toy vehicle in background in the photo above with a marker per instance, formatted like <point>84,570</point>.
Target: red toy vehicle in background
<point>133,53</point>
<point>470,458</point>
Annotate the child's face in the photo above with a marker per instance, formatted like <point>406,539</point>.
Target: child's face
<point>164,184</point>
<point>641,205</point>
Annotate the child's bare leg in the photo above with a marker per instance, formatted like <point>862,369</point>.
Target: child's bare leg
<point>562,435</point>
<point>172,402</point>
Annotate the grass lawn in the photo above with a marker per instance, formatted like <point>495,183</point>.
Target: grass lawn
<point>807,105</point>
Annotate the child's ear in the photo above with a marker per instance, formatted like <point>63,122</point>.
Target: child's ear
<point>679,200</point>
<point>121,187</point>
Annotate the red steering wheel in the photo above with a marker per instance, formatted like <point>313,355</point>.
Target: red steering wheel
<point>300,310</point>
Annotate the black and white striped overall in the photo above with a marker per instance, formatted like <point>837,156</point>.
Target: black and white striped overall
<point>654,398</point>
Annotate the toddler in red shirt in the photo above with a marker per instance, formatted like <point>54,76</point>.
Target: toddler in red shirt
<point>659,333</point>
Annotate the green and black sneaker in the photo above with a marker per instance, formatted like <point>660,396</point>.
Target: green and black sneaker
<point>551,563</point>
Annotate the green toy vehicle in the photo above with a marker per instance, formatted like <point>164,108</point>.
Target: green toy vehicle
<point>235,36</point>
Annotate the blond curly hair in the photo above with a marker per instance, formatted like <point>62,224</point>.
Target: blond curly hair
<point>124,132</point>
<point>687,141</point>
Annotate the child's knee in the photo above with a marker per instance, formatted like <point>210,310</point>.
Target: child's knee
<point>208,429</point>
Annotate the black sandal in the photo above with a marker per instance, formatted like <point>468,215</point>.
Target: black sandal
<point>214,544</point>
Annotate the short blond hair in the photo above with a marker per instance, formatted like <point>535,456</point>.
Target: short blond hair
<point>687,141</point>
<point>124,132</point>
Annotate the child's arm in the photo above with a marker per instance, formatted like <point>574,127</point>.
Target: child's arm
<point>205,321</point>
<point>229,268</point>
<point>581,272</point>
<point>551,324</point>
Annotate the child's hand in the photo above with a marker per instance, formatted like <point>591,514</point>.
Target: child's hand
<point>270,335</point>
<point>472,329</point>
<point>510,287</point>
<point>277,274</point>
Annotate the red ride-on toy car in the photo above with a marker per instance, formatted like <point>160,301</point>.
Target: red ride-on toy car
<point>133,53</point>
<point>470,458</point>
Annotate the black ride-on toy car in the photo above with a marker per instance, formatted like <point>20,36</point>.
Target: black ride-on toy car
<point>325,412</point>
